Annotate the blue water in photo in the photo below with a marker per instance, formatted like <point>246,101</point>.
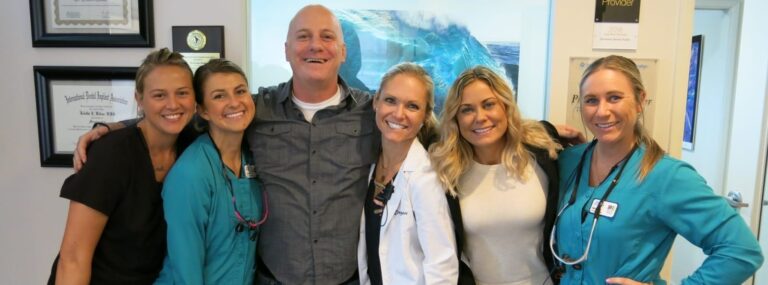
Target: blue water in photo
<point>378,39</point>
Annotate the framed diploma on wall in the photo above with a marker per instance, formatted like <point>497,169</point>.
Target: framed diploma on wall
<point>71,99</point>
<point>100,23</point>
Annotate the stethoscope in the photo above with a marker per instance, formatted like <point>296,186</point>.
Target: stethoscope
<point>243,223</point>
<point>599,206</point>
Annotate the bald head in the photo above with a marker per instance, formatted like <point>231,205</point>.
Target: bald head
<point>316,11</point>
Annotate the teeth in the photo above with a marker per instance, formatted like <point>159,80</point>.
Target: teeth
<point>605,125</point>
<point>235,115</point>
<point>395,126</point>
<point>483,130</point>
<point>315,60</point>
<point>172,116</point>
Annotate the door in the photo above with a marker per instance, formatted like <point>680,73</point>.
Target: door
<point>761,277</point>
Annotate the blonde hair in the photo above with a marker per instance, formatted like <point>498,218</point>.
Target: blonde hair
<point>427,131</point>
<point>161,57</point>
<point>628,68</point>
<point>452,154</point>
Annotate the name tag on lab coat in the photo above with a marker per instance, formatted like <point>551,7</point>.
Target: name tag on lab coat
<point>608,209</point>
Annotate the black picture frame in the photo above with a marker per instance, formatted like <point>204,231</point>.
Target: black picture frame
<point>198,44</point>
<point>692,92</point>
<point>43,37</point>
<point>45,100</point>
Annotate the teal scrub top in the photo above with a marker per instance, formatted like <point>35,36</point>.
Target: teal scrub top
<point>672,199</point>
<point>203,245</point>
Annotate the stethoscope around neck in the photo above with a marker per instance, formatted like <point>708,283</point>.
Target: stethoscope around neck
<point>572,200</point>
<point>242,223</point>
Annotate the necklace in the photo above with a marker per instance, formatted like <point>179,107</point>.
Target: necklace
<point>378,188</point>
<point>381,181</point>
<point>385,173</point>
<point>383,176</point>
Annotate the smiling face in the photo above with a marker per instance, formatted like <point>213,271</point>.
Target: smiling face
<point>167,99</point>
<point>227,103</point>
<point>609,107</point>
<point>482,119</point>
<point>315,45</point>
<point>401,108</point>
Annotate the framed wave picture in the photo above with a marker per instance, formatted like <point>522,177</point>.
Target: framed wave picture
<point>694,76</point>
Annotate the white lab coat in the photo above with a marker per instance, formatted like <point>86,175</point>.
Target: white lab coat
<point>416,242</point>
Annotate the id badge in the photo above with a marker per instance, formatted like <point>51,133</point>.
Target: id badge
<point>249,171</point>
<point>608,209</point>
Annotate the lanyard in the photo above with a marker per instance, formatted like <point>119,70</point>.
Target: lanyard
<point>572,200</point>
<point>242,223</point>
<point>615,180</point>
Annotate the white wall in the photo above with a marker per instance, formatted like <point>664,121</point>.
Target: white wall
<point>31,214</point>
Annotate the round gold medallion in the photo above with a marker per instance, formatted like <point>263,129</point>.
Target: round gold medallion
<point>196,40</point>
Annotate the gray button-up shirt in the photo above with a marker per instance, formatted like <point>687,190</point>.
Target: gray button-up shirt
<point>315,174</point>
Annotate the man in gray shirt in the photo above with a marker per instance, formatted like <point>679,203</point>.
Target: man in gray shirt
<point>313,140</point>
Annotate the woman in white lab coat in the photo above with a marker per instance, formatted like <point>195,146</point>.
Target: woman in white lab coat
<point>406,234</point>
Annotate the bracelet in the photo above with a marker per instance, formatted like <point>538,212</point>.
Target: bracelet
<point>96,124</point>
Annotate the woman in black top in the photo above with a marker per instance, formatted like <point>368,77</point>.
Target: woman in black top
<point>115,232</point>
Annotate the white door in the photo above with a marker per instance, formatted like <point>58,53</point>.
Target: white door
<point>761,277</point>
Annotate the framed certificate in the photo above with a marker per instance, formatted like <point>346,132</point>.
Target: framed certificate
<point>99,23</point>
<point>71,99</point>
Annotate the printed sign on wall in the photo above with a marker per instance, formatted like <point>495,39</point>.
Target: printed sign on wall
<point>617,23</point>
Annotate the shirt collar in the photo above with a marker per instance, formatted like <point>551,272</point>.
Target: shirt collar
<point>345,94</point>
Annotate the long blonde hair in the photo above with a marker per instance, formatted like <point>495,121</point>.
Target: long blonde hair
<point>628,68</point>
<point>452,154</point>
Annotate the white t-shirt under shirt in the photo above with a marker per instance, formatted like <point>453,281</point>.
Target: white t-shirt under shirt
<point>503,219</point>
<point>309,109</point>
